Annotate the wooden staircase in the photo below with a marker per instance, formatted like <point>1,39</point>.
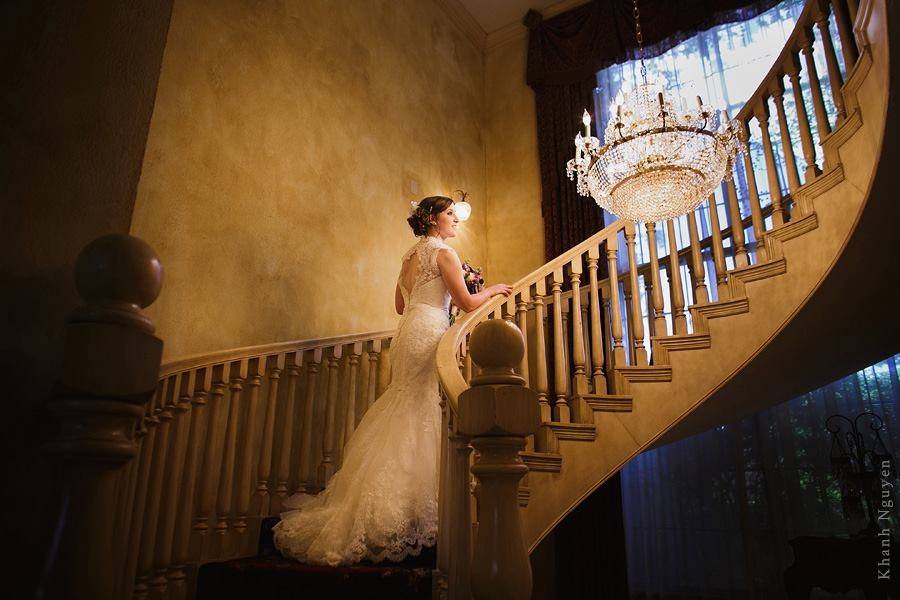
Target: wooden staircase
<point>615,402</point>
<point>616,367</point>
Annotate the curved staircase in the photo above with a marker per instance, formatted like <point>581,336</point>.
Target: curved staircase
<point>605,394</point>
<point>642,334</point>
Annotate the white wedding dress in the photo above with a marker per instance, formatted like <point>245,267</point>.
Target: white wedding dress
<point>382,503</point>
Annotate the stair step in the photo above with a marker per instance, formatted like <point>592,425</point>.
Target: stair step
<point>276,578</point>
<point>549,462</point>
<point>770,268</point>
<point>272,576</point>
<point>645,374</point>
<point>721,308</point>
<point>573,431</point>
<point>609,402</point>
<point>690,341</point>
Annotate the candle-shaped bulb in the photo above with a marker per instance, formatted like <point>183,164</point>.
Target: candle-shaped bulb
<point>586,119</point>
<point>579,140</point>
<point>699,102</point>
<point>659,95</point>
<point>620,99</point>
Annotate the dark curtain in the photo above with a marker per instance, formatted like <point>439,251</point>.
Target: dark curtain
<point>564,55</point>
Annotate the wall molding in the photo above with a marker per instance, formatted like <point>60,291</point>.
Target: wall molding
<point>469,26</point>
<point>464,21</point>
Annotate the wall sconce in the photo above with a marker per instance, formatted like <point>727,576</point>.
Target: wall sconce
<point>463,208</point>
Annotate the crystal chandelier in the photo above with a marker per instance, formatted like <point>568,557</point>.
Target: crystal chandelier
<point>660,160</point>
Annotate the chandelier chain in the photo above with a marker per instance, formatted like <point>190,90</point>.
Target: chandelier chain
<point>640,39</point>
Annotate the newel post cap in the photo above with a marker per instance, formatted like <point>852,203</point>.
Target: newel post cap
<point>117,275</point>
<point>498,403</point>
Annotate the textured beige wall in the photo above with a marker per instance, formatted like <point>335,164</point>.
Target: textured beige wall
<point>515,229</point>
<point>276,180</point>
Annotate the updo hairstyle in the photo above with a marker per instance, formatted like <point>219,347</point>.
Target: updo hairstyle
<point>428,207</point>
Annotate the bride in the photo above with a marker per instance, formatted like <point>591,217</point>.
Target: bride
<point>382,503</point>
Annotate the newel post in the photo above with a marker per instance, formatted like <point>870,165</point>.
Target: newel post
<point>498,412</point>
<point>110,370</point>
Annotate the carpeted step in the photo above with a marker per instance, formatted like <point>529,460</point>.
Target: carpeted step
<point>271,576</point>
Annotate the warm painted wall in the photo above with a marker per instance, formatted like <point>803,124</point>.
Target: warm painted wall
<point>278,170</point>
<point>514,223</point>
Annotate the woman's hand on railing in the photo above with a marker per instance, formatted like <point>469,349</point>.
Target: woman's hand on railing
<point>497,289</point>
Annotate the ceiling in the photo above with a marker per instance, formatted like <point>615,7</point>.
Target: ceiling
<point>496,14</point>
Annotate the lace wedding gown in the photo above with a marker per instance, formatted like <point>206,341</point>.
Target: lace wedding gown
<point>382,503</point>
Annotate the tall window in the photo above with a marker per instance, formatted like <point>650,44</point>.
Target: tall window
<point>712,515</point>
<point>724,65</point>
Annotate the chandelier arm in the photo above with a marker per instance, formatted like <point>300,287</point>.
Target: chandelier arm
<point>615,143</point>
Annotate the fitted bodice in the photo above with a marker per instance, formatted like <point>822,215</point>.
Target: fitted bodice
<point>428,287</point>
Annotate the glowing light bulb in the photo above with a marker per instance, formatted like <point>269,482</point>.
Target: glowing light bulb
<point>463,210</point>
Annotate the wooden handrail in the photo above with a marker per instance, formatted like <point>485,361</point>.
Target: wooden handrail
<point>452,381</point>
<point>207,359</point>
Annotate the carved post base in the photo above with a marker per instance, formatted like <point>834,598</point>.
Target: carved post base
<point>500,566</point>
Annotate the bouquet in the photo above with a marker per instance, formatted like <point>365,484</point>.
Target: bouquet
<point>473,278</point>
<point>474,283</point>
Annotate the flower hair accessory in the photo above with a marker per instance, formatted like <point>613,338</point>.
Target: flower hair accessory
<point>414,206</point>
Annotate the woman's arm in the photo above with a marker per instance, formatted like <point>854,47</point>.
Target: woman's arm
<point>452,274</point>
<point>399,305</point>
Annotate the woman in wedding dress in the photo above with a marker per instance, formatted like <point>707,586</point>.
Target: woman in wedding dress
<point>382,503</point>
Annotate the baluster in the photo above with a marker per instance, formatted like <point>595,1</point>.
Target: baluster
<point>815,88</point>
<point>586,330</point>
<point>565,349</point>
<point>467,361</point>
<point>522,321</point>
<point>835,80</point>
<point>540,345</point>
<point>226,481</point>
<point>627,337</point>
<point>306,462</point>
<point>248,449</point>
<point>618,349</point>
<point>717,251</point>
<point>658,316</point>
<point>579,377</point>
<point>676,291</point>
<point>845,33</point>
<point>283,473</point>
<point>637,317</point>
<point>509,309</point>
<point>199,431</point>
<point>384,367</point>
<point>759,230</point>
<point>792,68</point>
<point>597,373</point>
<point>150,421</point>
<point>374,354</point>
<point>737,225</point>
<point>698,269</point>
<point>264,469</point>
<point>173,479</point>
<point>350,414</point>
<point>761,111</point>
<point>561,406</point>
<point>777,90</point>
<point>154,490</point>
<point>326,468</point>
<point>607,340</point>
